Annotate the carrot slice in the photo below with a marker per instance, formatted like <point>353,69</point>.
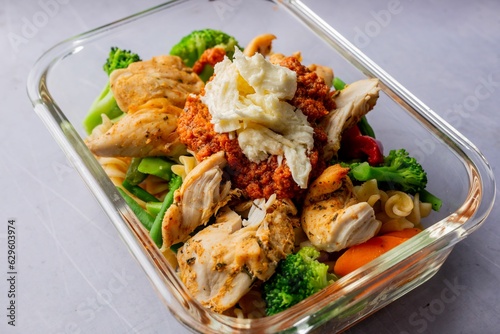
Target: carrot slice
<point>359,255</point>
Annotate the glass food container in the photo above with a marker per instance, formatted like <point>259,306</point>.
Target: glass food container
<point>66,79</point>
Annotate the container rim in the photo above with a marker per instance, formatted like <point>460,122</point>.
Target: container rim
<point>442,234</point>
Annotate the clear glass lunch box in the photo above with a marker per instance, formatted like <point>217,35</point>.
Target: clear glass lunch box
<point>68,77</point>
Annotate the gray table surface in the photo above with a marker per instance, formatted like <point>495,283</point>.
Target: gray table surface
<point>75,275</point>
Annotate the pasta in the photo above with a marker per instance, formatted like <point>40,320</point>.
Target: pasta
<point>396,210</point>
<point>187,163</point>
<point>368,192</point>
<point>156,186</point>
<point>394,224</point>
<point>398,204</point>
<point>421,210</point>
<point>115,168</point>
<point>101,128</point>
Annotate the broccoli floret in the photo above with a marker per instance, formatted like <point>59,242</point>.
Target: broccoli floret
<point>105,103</point>
<point>119,58</point>
<point>191,46</point>
<point>297,277</point>
<point>399,171</point>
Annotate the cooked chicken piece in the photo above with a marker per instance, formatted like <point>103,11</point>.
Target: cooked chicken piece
<point>276,58</point>
<point>220,263</point>
<point>261,44</point>
<point>332,218</point>
<point>150,131</point>
<point>353,102</point>
<point>324,72</point>
<point>202,193</point>
<point>162,76</point>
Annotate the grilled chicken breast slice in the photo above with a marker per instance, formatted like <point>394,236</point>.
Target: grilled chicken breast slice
<point>201,194</point>
<point>219,264</point>
<point>150,131</point>
<point>332,218</point>
<point>353,102</point>
<point>160,77</point>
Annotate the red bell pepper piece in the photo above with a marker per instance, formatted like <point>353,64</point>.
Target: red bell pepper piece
<point>358,146</point>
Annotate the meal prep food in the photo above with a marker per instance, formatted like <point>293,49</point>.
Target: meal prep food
<point>258,176</point>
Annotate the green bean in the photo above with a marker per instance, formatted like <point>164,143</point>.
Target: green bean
<point>155,231</point>
<point>154,208</point>
<point>134,176</point>
<point>156,166</point>
<point>145,218</point>
<point>338,84</point>
<point>139,192</point>
<point>365,127</point>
